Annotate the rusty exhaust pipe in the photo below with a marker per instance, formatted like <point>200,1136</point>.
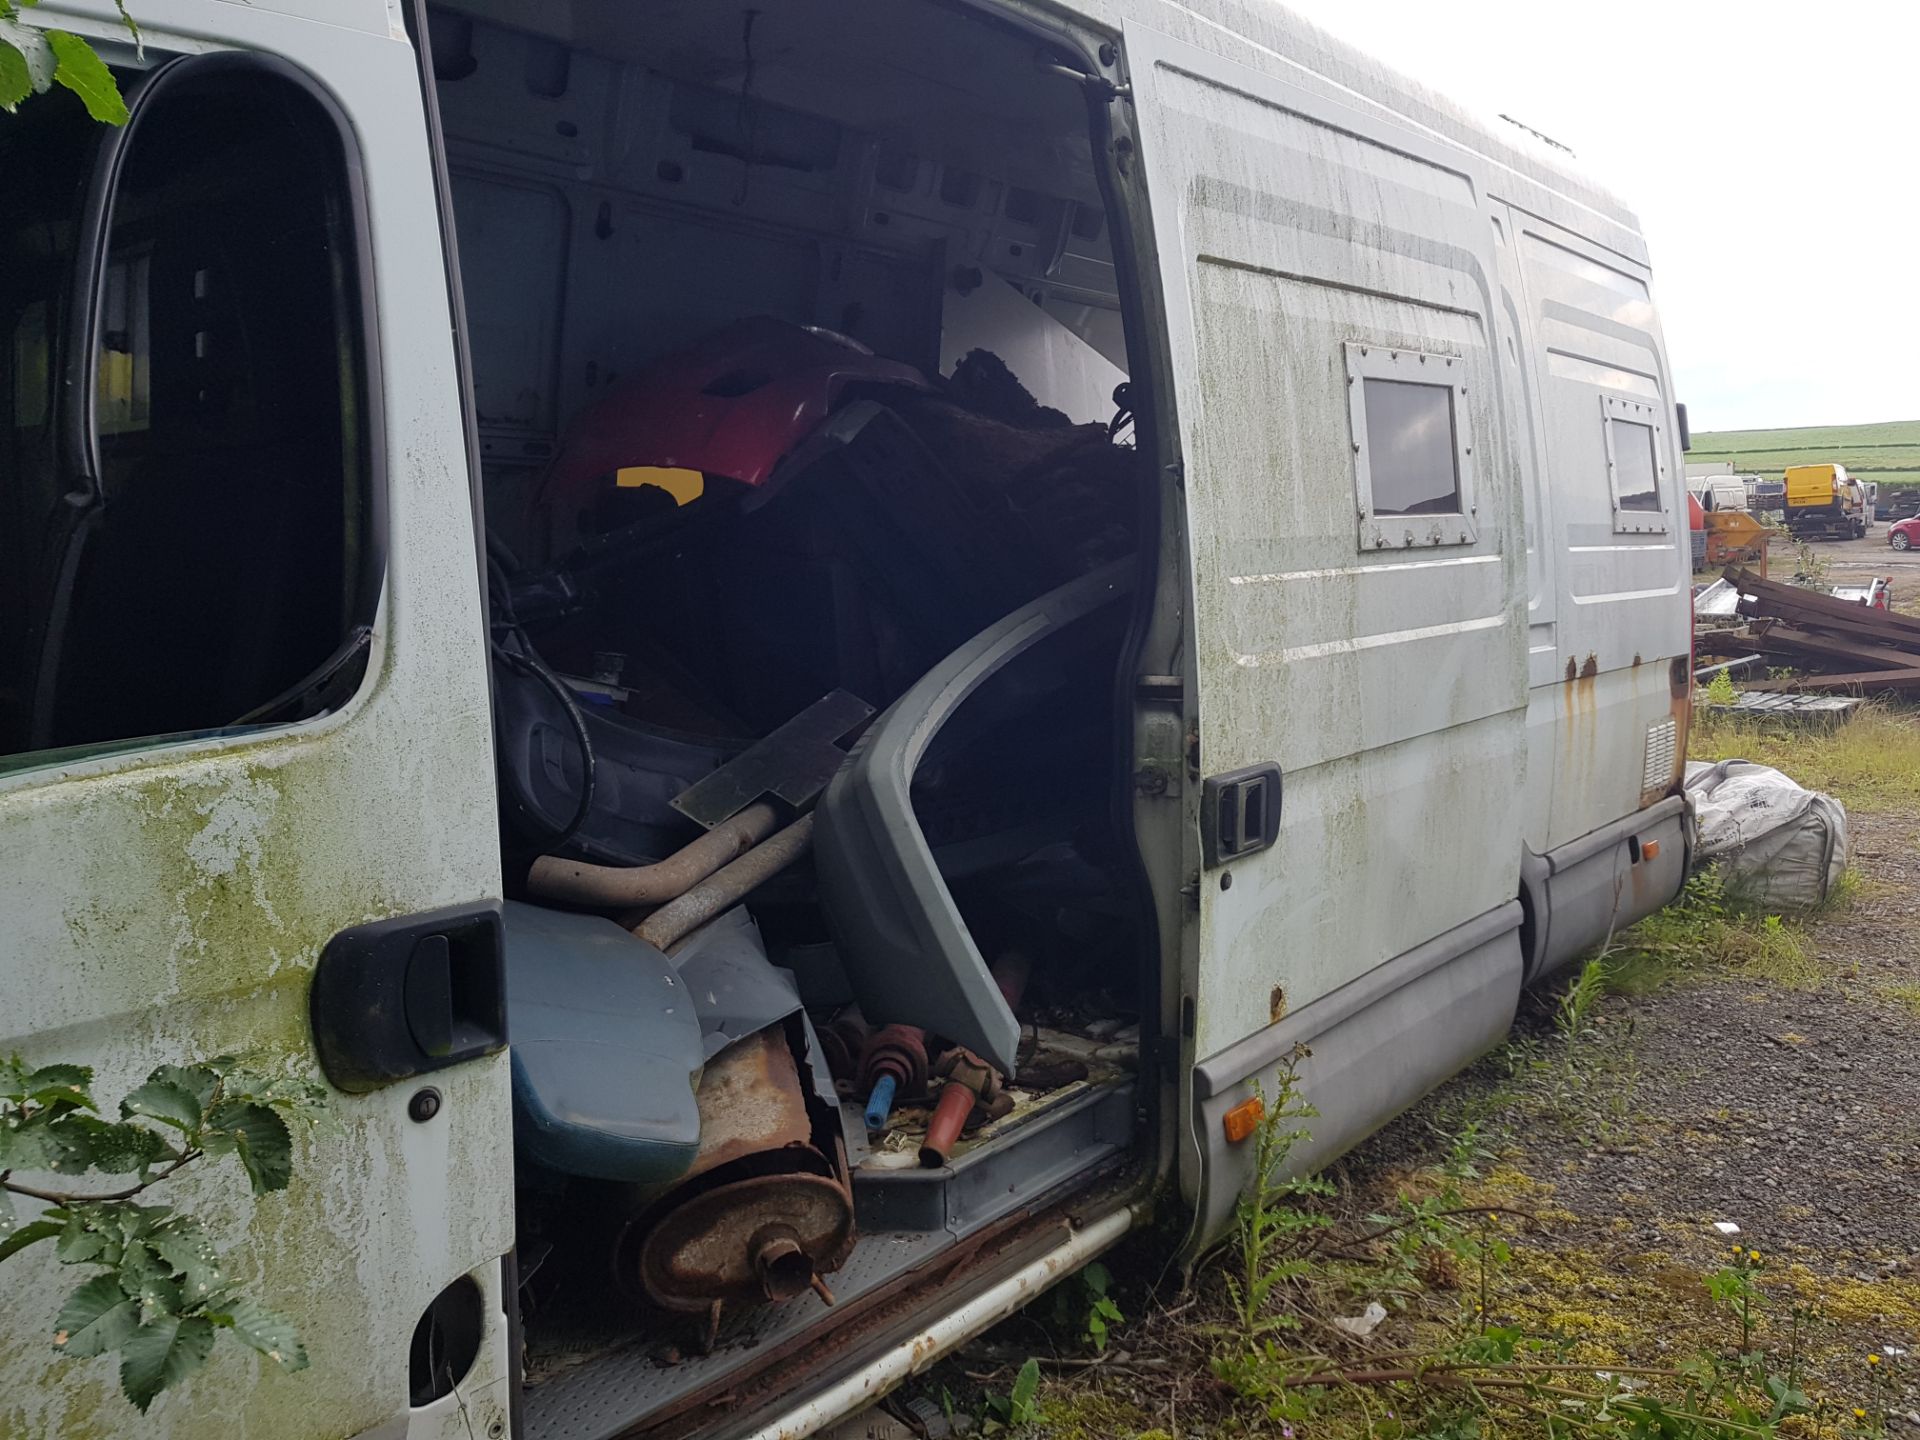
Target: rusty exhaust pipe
<point>727,886</point>
<point>610,887</point>
<point>781,1264</point>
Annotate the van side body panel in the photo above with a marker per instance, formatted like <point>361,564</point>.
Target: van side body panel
<point>1303,198</point>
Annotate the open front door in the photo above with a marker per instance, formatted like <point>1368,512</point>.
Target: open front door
<point>257,717</point>
<point>1359,606</point>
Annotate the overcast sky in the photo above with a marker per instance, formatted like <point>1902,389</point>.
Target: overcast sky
<point>1772,153</point>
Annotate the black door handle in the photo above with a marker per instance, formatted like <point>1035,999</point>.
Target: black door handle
<point>1240,812</point>
<point>403,997</point>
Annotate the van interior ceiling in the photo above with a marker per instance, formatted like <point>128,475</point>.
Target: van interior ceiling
<point>811,496</point>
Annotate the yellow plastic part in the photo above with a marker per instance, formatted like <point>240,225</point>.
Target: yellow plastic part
<point>1243,1119</point>
<point>683,485</point>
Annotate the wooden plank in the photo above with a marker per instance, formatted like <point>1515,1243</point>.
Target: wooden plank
<point>1787,638</point>
<point>1813,602</point>
<point>1868,681</point>
<point>1851,628</point>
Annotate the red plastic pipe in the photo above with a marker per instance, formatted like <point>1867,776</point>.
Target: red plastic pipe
<point>949,1119</point>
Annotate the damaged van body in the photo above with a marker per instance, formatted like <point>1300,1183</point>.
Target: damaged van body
<point>794,644</point>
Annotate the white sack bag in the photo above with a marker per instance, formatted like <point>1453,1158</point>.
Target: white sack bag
<point>1778,844</point>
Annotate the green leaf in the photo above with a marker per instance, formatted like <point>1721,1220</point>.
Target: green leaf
<point>186,1247</point>
<point>117,1149</point>
<point>141,1268</point>
<point>271,1334</point>
<point>82,1240</point>
<point>1025,1386</point>
<point>18,1240</point>
<point>60,1081</point>
<point>161,1355</point>
<point>199,1081</point>
<point>158,1297</point>
<point>16,81</point>
<point>162,1100</point>
<point>97,1317</point>
<point>259,1136</point>
<point>86,74</point>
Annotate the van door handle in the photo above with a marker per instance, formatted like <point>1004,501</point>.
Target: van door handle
<point>1240,812</point>
<point>404,997</point>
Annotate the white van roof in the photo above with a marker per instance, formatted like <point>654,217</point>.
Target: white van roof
<point>1258,33</point>
<point>1269,37</point>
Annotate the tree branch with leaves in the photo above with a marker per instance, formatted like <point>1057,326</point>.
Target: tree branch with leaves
<point>33,61</point>
<point>162,1293</point>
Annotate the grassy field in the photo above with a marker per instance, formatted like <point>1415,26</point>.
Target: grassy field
<point>1888,452</point>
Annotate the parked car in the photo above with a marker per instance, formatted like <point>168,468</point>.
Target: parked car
<point>1904,534</point>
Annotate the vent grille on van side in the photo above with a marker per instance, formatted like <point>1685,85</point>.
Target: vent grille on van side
<point>1661,739</point>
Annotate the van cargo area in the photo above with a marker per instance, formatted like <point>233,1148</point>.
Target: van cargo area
<point>813,512</point>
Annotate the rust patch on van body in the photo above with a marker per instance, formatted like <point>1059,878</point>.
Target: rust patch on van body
<point>1276,1004</point>
<point>1589,667</point>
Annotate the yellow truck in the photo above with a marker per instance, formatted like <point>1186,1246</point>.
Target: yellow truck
<point>1824,501</point>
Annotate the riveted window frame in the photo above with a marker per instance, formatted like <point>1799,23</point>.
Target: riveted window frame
<point>1365,361</point>
<point>1650,414</point>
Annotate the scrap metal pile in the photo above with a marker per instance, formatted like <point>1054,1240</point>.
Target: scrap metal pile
<point>1835,645</point>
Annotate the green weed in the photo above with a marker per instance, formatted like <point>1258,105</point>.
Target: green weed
<point>1907,997</point>
<point>1707,931</point>
<point>1871,761</point>
<point>1719,690</point>
<point>1015,1411</point>
<point>1084,1307</point>
<point>1270,1225</point>
<point>1576,1006</point>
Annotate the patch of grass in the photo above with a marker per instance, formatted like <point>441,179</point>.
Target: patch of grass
<point>1707,932</point>
<point>1907,997</point>
<point>1871,761</point>
<point>1888,452</point>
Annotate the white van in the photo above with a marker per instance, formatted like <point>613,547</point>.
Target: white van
<point>759,551</point>
<point>1719,492</point>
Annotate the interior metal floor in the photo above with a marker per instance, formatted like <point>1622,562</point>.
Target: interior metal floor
<point>596,1382</point>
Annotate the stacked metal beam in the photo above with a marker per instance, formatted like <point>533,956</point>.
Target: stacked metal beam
<point>1841,646</point>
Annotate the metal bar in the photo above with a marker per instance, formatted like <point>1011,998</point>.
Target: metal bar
<point>726,887</point>
<point>916,1353</point>
<point>617,886</point>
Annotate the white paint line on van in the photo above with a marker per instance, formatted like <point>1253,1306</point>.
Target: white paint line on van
<point>1342,571</point>
<point>1368,642</point>
<point>1625,595</point>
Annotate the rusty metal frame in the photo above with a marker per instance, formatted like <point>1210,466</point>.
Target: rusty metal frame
<point>864,1328</point>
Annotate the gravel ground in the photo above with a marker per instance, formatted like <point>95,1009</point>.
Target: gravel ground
<point>1794,1112</point>
<point>1851,562</point>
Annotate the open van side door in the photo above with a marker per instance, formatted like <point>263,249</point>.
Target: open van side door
<point>1359,609</point>
<point>247,807</point>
